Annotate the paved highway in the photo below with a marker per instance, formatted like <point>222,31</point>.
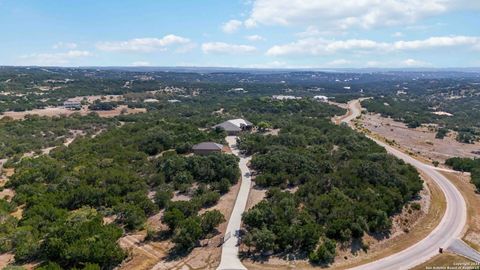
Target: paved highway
<point>447,232</point>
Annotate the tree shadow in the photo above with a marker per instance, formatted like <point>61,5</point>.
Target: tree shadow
<point>379,236</point>
<point>160,236</point>
<point>177,254</point>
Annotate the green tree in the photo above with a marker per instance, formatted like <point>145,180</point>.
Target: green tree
<point>173,217</point>
<point>131,215</point>
<point>325,253</point>
<point>263,240</point>
<point>210,220</point>
<point>187,234</point>
<point>263,126</point>
<point>75,242</point>
<point>163,197</point>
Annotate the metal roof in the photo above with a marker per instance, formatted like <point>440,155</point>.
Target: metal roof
<point>207,146</point>
<point>228,126</point>
<point>234,124</point>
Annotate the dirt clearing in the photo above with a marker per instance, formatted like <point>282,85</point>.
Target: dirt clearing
<point>421,140</point>
<point>58,111</point>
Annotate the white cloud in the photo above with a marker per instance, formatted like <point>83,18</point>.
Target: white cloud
<point>438,42</point>
<point>255,38</point>
<point>65,45</point>
<point>141,64</point>
<point>143,44</point>
<point>226,48</point>
<point>186,48</point>
<point>311,31</point>
<point>48,59</point>
<point>250,23</point>
<point>231,26</point>
<point>319,46</point>
<point>408,63</point>
<point>350,13</point>
<point>374,64</point>
<point>397,34</point>
<point>314,46</point>
<point>415,63</point>
<point>338,63</point>
<point>273,64</point>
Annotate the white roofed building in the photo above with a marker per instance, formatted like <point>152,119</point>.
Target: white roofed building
<point>235,126</point>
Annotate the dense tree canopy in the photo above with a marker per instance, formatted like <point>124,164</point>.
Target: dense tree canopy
<point>66,194</point>
<point>345,184</point>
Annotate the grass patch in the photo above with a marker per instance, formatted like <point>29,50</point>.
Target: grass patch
<point>444,261</point>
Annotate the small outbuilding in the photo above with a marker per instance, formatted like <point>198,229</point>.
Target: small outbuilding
<point>151,100</point>
<point>321,98</point>
<point>235,126</point>
<point>206,148</point>
<point>72,105</point>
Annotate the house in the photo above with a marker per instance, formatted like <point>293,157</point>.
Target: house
<point>235,126</point>
<point>72,105</point>
<point>206,148</point>
<point>238,90</point>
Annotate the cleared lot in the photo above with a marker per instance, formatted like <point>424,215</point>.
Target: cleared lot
<point>421,140</point>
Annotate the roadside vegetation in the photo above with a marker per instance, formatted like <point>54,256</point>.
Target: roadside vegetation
<point>467,165</point>
<point>346,186</point>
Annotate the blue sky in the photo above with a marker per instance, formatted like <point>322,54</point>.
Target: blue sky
<point>241,33</point>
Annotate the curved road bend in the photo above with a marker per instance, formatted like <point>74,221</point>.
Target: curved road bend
<point>229,259</point>
<point>450,227</point>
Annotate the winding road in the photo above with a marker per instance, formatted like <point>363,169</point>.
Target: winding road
<point>444,235</point>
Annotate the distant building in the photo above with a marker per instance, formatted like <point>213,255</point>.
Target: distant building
<point>173,101</point>
<point>238,90</point>
<point>206,148</point>
<point>283,97</point>
<point>321,98</point>
<point>150,100</point>
<point>235,126</point>
<point>72,105</point>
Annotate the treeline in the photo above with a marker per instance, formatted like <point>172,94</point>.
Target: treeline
<point>467,165</point>
<point>346,186</point>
